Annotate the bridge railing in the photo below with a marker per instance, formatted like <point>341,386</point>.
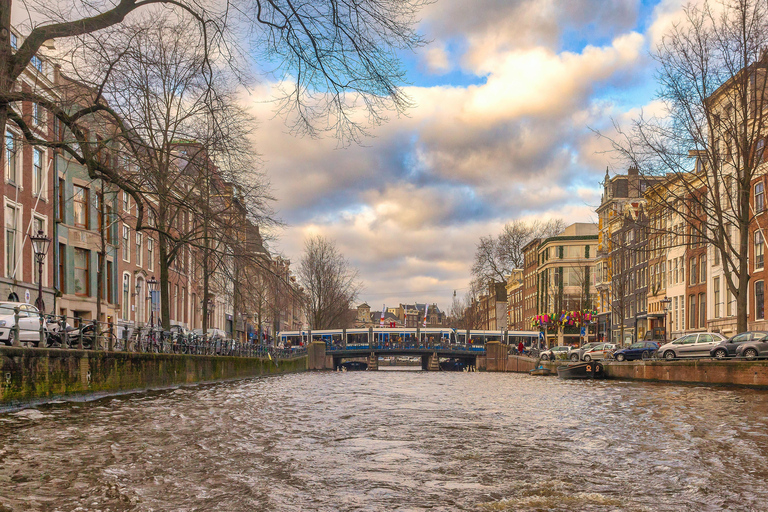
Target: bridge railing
<point>406,345</point>
<point>26,328</point>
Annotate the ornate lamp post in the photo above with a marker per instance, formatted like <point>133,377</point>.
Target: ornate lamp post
<point>151,284</point>
<point>666,302</point>
<point>40,244</point>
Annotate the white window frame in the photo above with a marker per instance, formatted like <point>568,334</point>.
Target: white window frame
<point>126,202</point>
<point>18,263</point>
<point>139,255</point>
<point>16,160</point>
<point>759,197</point>
<point>125,296</point>
<point>126,243</point>
<point>37,181</point>
<point>150,254</point>
<point>759,259</point>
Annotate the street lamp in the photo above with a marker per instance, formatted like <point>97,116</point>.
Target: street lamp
<point>40,244</point>
<point>151,284</point>
<point>666,302</point>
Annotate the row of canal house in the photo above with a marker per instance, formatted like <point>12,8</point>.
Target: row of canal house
<point>641,268</point>
<point>92,226</point>
<point>654,257</point>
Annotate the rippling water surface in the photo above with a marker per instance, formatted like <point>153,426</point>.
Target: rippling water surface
<point>393,440</point>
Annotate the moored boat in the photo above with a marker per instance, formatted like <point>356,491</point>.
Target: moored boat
<point>589,370</point>
<point>541,371</point>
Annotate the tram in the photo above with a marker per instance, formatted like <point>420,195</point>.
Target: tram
<point>402,337</point>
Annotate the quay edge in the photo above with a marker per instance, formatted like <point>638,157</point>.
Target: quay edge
<point>685,371</point>
<point>30,375</point>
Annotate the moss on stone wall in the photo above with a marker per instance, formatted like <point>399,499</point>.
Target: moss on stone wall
<point>28,375</point>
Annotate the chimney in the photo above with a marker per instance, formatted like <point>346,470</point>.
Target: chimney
<point>633,181</point>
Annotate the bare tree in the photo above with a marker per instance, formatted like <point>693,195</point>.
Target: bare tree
<point>331,284</point>
<point>709,137</point>
<point>496,257</point>
<point>340,57</point>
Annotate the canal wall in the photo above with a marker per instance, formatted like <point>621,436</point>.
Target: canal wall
<point>30,375</point>
<point>693,371</point>
<point>687,371</point>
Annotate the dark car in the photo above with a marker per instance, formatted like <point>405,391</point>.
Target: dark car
<point>728,347</point>
<point>757,348</point>
<point>638,350</point>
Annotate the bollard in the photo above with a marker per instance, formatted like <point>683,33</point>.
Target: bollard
<point>126,348</point>
<point>96,343</point>
<point>42,333</point>
<point>111,346</point>
<point>16,342</point>
<point>63,334</point>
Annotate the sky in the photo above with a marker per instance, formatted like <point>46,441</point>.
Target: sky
<point>507,96</point>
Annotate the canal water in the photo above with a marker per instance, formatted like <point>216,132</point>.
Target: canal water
<point>393,440</point>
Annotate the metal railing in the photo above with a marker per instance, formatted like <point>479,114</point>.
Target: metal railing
<point>28,329</point>
<point>412,344</point>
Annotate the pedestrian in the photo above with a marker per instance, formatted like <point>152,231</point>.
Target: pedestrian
<point>520,348</point>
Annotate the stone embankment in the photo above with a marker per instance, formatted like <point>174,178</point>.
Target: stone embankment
<point>30,375</point>
<point>687,371</point>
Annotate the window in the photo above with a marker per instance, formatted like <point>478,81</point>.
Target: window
<point>702,309</point>
<point>703,268</point>
<point>692,311</point>
<point>37,171</point>
<point>716,292</point>
<point>38,114</point>
<point>82,272</point>
<point>138,249</point>
<point>126,201</point>
<point>716,255</point>
<point>682,270</point>
<point>60,211</point>
<point>759,197</point>
<point>126,243</point>
<point>728,301</point>
<point>14,41</point>
<point>80,202</point>
<point>37,63</point>
<point>110,281</point>
<point>759,150</point>
<point>677,313</point>
<point>759,301</point>
<point>663,274</point>
<point>12,217</point>
<point>693,273</point>
<point>150,254</point>
<point>62,268</point>
<point>759,250</point>
<point>682,311</point>
<point>125,303</point>
<point>11,163</point>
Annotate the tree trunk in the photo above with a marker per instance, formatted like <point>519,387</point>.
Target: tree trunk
<point>165,303</point>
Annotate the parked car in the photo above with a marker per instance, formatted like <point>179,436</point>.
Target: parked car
<point>727,348</point>
<point>578,354</point>
<point>600,351</point>
<point>29,323</point>
<point>637,350</point>
<point>757,348</point>
<point>691,345</point>
<point>559,352</point>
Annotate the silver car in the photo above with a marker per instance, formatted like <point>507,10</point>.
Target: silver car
<point>601,351</point>
<point>697,344</point>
